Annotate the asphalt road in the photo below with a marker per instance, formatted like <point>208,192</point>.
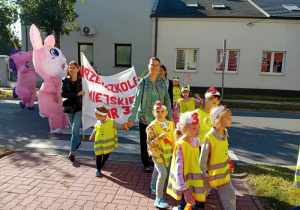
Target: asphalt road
<point>255,137</point>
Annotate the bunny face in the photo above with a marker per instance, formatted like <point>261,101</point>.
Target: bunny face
<point>18,59</point>
<point>48,60</point>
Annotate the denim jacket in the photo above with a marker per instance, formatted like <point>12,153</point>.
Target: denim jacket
<point>143,96</point>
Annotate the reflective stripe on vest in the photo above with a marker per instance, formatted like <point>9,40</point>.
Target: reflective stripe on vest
<point>204,128</point>
<point>105,138</point>
<point>297,176</point>
<point>176,94</point>
<point>167,150</point>
<point>187,106</point>
<point>218,166</point>
<point>191,172</point>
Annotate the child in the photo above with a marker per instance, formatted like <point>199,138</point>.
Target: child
<point>212,99</point>
<point>160,141</point>
<point>105,136</point>
<point>176,90</point>
<point>215,159</point>
<point>184,180</point>
<point>187,103</point>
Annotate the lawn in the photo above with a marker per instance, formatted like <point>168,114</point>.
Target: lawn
<point>272,184</point>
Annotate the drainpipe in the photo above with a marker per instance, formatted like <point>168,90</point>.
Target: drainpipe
<point>155,42</point>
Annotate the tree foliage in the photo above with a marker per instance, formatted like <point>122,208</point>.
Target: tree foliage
<point>8,16</point>
<point>51,16</point>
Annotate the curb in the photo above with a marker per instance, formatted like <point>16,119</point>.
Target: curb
<point>8,152</point>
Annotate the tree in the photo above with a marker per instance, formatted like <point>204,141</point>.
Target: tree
<point>8,16</point>
<point>51,16</point>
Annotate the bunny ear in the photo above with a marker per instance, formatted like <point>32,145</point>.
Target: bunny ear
<point>49,41</point>
<point>35,37</point>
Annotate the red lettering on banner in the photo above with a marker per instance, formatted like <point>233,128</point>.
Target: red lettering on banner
<point>113,100</point>
<point>82,71</point>
<point>120,101</point>
<point>117,88</point>
<point>112,113</point>
<point>129,85</point>
<point>86,71</point>
<point>135,81</point>
<point>98,96</point>
<point>131,99</point>
<point>126,110</point>
<point>92,76</point>
<point>98,80</point>
<point>91,96</point>
<point>107,98</point>
<point>124,86</point>
<point>110,87</point>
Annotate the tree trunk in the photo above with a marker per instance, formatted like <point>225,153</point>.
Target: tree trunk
<point>57,39</point>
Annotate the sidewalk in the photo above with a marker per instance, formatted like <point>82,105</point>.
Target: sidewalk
<point>35,181</point>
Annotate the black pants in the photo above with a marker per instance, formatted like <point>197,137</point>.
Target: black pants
<point>199,205</point>
<point>143,144</point>
<point>99,162</point>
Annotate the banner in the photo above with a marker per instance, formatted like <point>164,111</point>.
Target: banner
<point>115,92</point>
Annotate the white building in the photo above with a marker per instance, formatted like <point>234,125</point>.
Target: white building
<point>262,51</point>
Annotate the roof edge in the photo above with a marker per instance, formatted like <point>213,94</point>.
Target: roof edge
<point>259,8</point>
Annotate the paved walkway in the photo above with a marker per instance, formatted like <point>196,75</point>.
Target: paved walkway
<point>35,181</point>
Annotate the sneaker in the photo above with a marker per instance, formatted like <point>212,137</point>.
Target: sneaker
<point>160,203</point>
<point>153,189</point>
<point>30,107</point>
<point>72,157</point>
<point>98,172</point>
<point>22,105</point>
<point>57,130</point>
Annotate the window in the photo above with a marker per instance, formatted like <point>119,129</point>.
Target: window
<point>291,7</point>
<point>186,59</point>
<point>123,55</point>
<point>87,49</point>
<point>232,61</point>
<point>272,62</point>
<point>191,4</point>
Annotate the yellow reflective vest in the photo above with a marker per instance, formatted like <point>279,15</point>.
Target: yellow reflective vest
<point>218,164</point>
<point>176,94</point>
<point>106,138</point>
<point>297,177</point>
<point>204,129</point>
<point>186,106</point>
<point>191,172</point>
<point>166,148</point>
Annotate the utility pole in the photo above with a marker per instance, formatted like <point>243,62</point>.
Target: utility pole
<point>223,63</point>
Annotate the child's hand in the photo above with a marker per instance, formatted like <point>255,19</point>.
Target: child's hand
<point>161,136</point>
<point>189,197</point>
<point>126,128</point>
<point>197,96</point>
<point>91,138</point>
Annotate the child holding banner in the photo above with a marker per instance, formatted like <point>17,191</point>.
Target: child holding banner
<point>214,158</point>
<point>160,142</point>
<point>105,137</point>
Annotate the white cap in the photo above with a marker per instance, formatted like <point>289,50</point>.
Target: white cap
<point>213,92</point>
<point>100,113</point>
<point>190,118</point>
<point>158,105</point>
<point>216,113</point>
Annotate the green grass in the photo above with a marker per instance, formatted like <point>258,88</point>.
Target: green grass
<point>5,94</point>
<point>257,106</point>
<point>272,184</point>
<point>261,98</point>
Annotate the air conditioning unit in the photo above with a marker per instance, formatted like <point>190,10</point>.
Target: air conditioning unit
<point>88,30</point>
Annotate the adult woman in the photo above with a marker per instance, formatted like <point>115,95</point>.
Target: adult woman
<point>72,91</point>
<point>150,89</point>
<point>163,74</point>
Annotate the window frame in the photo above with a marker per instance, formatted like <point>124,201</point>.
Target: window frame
<point>185,70</point>
<point>272,63</point>
<point>226,63</point>
<point>123,65</point>
<point>79,58</point>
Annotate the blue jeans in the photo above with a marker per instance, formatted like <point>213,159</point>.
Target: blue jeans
<point>75,122</point>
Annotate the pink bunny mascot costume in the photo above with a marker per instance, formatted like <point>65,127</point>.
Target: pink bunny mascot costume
<point>25,88</point>
<point>50,64</point>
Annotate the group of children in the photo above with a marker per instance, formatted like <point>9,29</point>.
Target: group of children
<point>193,150</point>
